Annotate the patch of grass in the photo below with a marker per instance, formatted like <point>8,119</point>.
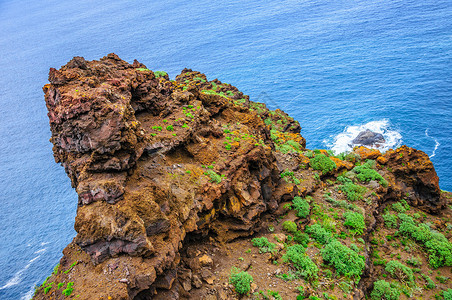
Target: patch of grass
<point>322,163</point>
<point>241,281</point>
<point>414,261</point>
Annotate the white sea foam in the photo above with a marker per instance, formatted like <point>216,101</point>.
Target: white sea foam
<point>29,294</point>
<point>41,250</point>
<point>437,144</point>
<point>343,141</point>
<point>17,278</point>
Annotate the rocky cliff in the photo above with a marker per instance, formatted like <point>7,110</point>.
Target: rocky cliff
<point>174,178</point>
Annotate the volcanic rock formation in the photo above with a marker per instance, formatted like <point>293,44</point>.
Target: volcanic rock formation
<point>160,163</point>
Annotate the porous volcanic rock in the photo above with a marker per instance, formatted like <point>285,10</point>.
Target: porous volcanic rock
<point>156,162</point>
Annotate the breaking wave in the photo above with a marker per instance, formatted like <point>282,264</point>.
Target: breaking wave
<point>343,141</point>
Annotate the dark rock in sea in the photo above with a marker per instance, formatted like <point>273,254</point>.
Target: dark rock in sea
<point>369,138</point>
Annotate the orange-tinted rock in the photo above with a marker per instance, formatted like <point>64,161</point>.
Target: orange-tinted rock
<point>342,164</point>
<point>415,178</point>
<point>367,153</point>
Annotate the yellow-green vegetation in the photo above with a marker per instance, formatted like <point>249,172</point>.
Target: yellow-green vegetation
<point>322,163</point>
<point>290,177</point>
<point>305,266</point>
<point>241,281</point>
<point>385,291</point>
<point>302,206</point>
<point>366,173</point>
<point>355,221</point>
<point>353,191</point>
<point>346,261</point>
<point>264,245</point>
<point>214,177</point>
<point>160,74</point>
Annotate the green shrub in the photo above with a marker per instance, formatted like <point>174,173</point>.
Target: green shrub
<point>322,163</point>
<point>290,177</point>
<point>355,221</point>
<point>390,220</point>
<point>160,74</point>
<point>241,281</point>
<point>383,290</point>
<point>414,261</point>
<point>400,271</point>
<point>290,227</point>
<point>447,294</point>
<point>353,191</point>
<point>430,283</point>
<point>301,206</point>
<point>437,245</point>
<point>319,233</point>
<point>68,290</point>
<point>263,244</point>
<point>306,267</point>
<point>301,238</point>
<point>346,261</point>
<point>214,177</point>
<point>366,173</point>
<point>398,207</point>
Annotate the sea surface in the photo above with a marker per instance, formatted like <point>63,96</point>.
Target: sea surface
<point>338,67</point>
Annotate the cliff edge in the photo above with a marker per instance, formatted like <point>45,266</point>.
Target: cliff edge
<point>175,177</point>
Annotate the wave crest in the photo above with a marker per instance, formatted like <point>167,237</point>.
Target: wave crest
<point>343,141</point>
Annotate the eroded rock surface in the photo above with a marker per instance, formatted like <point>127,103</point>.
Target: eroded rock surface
<point>158,162</point>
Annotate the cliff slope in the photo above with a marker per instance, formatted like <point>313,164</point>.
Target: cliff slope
<point>175,176</point>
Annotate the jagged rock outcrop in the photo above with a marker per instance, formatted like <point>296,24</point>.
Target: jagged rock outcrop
<point>369,138</point>
<point>154,160</point>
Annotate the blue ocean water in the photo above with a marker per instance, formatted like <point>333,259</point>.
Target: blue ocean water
<point>336,66</point>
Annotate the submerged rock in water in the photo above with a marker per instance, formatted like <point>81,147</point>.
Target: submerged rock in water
<point>369,138</point>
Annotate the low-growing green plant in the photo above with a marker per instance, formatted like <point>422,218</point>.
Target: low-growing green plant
<point>290,177</point>
<point>160,74</point>
<point>290,227</point>
<point>414,261</point>
<point>398,207</point>
<point>353,191</point>
<point>430,284</point>
<point>447,294</point>
<point>442,279</point>
<point>322,163</point>
<point>306,267</point>
<point>437,245</point>
<point>366,173</point>
<point>214,177</point>
<point>317,232</point>
<point>69,289</point>
<point>346,261</point>
<point>390,220</point>
<point>384,291</point>
<point>241,281</point>
<point>355,221</point>
<point>400,271</point>
<point>263,244</point>
<point>301,238</point>
<point>301,206</point>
